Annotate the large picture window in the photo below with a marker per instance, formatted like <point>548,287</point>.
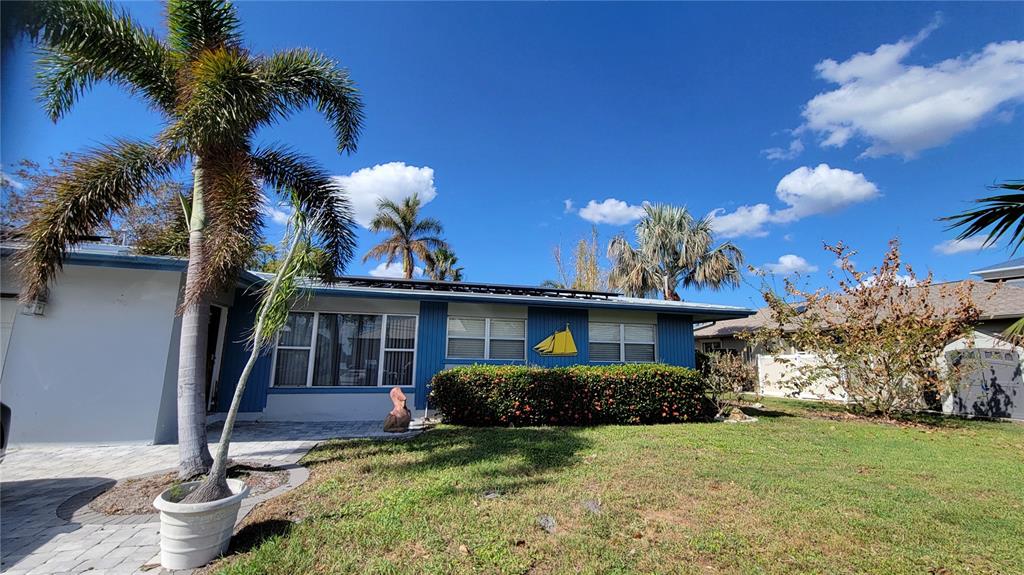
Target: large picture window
<point>622,342</point>
<point>486,338</point>
<point>338,349</point>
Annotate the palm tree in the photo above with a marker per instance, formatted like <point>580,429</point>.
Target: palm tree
<point>276,300</point>
<point>673,248</point>
<point>213,96</point>
<point>411,237</point>
<point>441,265</point>
<point>1003,213</point>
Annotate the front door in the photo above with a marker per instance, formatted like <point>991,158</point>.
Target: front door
<point>214,350</point>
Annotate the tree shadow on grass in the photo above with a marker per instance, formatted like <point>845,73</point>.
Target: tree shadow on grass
<point>504,458</point>
<point>764,412</point>
<point>253,535</point>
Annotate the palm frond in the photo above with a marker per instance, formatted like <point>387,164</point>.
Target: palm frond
<point>100,182</point>
<point>632,272</point>
<point>85,42</point>
<point>386,250</point>
<point>321,198</point>
<point>197,25</point>
<point>298,78</point>
<point>1003,214</point>
<point>717,268</point>
<point>1015,333</point>
<point>232,200</point>
<point>427,226</point>
<point>223,101</point>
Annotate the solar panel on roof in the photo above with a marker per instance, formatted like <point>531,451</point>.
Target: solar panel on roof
<point>467,287</point>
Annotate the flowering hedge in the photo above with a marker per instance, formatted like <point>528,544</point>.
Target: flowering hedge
<point>580,395</point>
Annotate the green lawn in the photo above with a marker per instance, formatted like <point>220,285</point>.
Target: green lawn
<point>795,492</point>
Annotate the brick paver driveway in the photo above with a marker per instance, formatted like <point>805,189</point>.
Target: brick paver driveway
<point>41,533</point>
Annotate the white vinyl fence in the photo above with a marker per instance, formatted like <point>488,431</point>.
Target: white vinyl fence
<point>775,374</point>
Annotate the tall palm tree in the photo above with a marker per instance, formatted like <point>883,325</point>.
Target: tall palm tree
<point>411,237</point>
<point>213,96</point>
<point>1003,214</point>
<point>673,249</point>
<point>442,266</point>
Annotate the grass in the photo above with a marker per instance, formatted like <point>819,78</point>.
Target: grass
<point>803,490</point>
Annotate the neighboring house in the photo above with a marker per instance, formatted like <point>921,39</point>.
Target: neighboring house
<point>97,362</point>
<point>994,387</point>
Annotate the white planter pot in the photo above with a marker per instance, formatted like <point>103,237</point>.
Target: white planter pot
<point>193,534</point>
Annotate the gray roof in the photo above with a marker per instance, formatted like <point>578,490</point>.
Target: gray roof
<point>996,301</point>
<point>1010,269</point>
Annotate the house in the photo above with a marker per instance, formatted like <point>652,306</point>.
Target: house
<point>993,388</point>
<point>97,362</point>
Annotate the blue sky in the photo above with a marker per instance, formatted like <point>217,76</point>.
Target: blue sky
<point>800,123</point>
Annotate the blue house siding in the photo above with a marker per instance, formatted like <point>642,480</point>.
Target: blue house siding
<point>241,318</point>
<point>544,321</point>
<point>430,343</point>
<point>675,340</point>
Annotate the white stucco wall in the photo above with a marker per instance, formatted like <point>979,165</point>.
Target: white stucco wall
<point>330,406</point>
<point>93,368</point>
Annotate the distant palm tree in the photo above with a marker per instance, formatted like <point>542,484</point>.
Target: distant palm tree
<point>672,248</point>
<point>411,237</point>
<point>442,266</point>
<point>1003,214</point>
<point>213,96</point>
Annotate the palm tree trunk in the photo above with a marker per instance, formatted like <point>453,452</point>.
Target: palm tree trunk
<point>216,484</point>
<point>668,292</point>
<point>193,454</point>
<point>407,264</point>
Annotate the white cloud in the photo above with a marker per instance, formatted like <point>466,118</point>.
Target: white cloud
<point>796,147</point>
<point>950,247</point>
<point>611,211</point>
<point>8,180</point>
<point>393,270</point>
<point>903,109</point>
<point>393,181</point>
<point>278,212</point>
<point>744,221</point>
<point>806,191</point>
<point>568,206</point>
<point>820,190</point>
<point>789,264</point>
<point>900,279</point>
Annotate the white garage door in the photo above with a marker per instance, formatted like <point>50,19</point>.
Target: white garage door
<point>991,385</point>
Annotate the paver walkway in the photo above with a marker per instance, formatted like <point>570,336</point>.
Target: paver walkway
<point>34,482</point>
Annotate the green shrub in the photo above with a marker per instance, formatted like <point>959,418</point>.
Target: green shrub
<point>579,395</point>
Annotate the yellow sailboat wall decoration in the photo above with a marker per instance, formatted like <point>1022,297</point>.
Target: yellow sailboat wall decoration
<point>559,343</point>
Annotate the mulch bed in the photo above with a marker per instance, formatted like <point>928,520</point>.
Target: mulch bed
<point>135,496</point>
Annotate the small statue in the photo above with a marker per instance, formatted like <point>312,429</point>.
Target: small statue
<point>398,420</point>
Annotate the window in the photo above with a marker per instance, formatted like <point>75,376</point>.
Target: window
<point>485,338</point>
<point>622,342</point>
<point>712,346</point>
<point>361,350</point>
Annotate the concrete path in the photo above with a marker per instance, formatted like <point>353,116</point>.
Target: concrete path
<point>44,528</point>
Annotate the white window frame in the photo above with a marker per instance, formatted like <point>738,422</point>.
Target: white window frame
<point>487,338</point>
<point>714,344</point>
<point>622,341</point>
<point>313,342</point>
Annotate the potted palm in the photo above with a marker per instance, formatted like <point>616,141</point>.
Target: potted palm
<point>197,518</point>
